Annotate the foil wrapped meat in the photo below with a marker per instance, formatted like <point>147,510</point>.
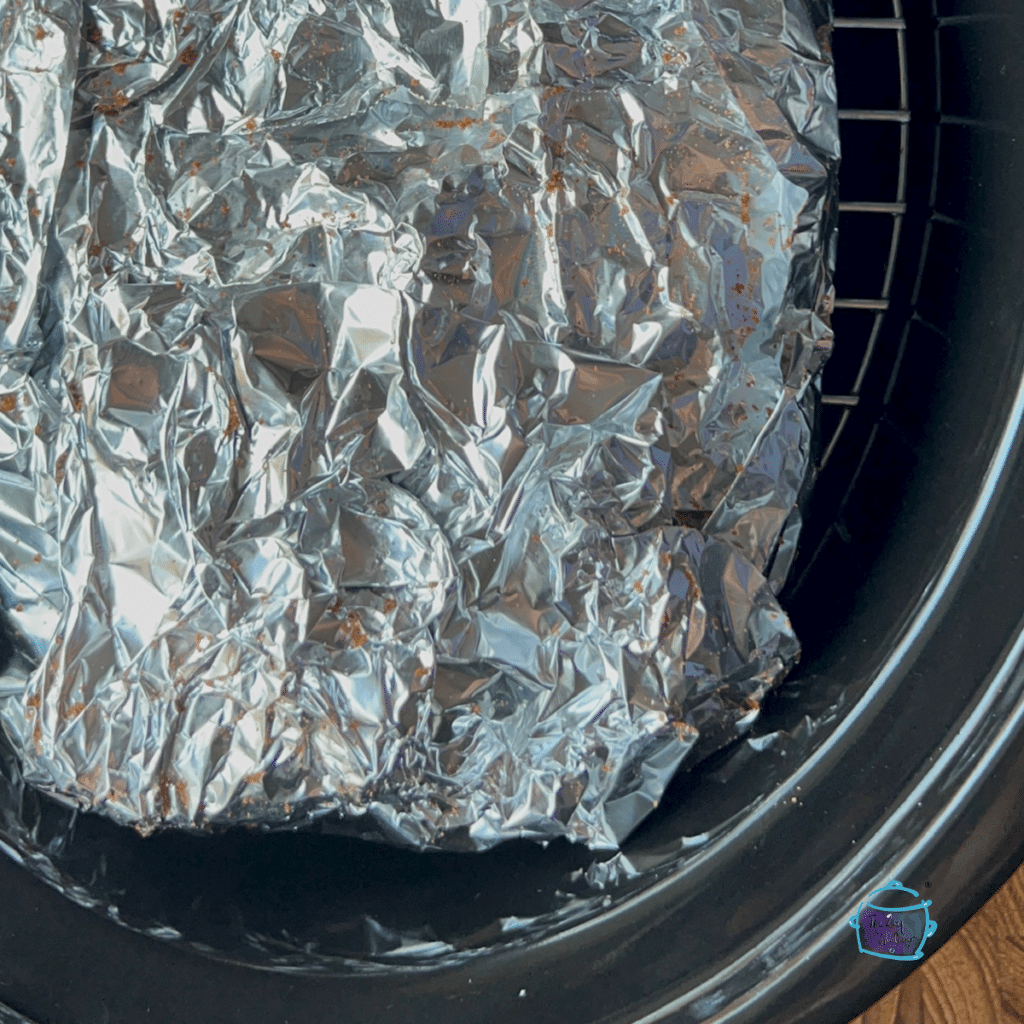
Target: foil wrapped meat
<point>404,406</point>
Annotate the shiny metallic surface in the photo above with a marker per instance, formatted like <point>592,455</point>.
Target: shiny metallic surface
<point>404,407</point>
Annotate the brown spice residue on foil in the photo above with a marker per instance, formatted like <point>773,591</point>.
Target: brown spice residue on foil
<point>463,123</point>
<point>164,794</point>
<point>41,33</point>
<point>8,403</point>
<point>90,779</point>
<point>189,56</point>
<point>684,731</point>
<point>556,182</point>
<point>76,395</point>
<point>390,605</point>
<point>74,711</point>
<point>115,106</point>
<point>352,630</point>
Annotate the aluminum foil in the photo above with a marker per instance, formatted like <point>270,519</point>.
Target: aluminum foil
<point>404,406</point>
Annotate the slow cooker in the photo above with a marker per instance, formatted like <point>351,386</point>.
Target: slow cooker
<point>894,752</point>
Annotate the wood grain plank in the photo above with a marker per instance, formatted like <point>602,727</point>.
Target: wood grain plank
<point>977,977</point>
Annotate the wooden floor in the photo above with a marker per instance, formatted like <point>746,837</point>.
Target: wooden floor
<point>977,977</point>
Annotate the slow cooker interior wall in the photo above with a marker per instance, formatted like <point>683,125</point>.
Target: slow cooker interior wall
<point>911,459</point>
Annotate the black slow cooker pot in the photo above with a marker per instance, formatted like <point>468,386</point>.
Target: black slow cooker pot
<point>894,752</point>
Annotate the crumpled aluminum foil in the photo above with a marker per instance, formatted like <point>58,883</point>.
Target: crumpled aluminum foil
<point>404,406</point>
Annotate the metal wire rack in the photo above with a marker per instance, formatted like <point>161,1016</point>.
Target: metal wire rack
<point>848,398</point>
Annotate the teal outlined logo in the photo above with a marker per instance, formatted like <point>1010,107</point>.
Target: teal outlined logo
<point>889,925</point>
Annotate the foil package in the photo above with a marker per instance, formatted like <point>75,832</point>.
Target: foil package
<point>404,407</point>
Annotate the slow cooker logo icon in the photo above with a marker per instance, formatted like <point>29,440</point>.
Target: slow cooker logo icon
<point>889,925</point>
